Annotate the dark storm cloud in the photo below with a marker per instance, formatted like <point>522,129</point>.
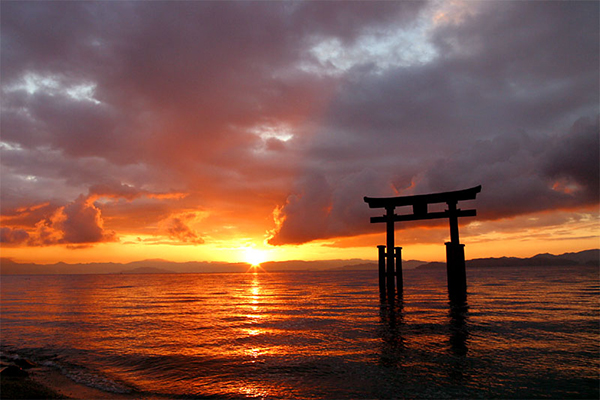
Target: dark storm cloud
<point>237,104</point>
<point>524,174</point>
<point>512,66</point>
<point>574,160</point>
<point>495,108</point>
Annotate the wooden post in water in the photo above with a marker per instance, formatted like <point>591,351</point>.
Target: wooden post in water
<point>381,269</point>
<point>456,271</point>
<point>390,249</point>
<point>455,258</point>
<point>399,280</point>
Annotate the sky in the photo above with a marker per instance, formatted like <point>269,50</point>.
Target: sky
<point>251,131</point>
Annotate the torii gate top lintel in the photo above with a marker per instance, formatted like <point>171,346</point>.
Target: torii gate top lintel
<point>423,199</point>
<point>420,212</point>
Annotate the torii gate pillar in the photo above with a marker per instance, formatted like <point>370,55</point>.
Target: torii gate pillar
<point>455,251</point>
<point>390,248</point>
<point>455,258</point>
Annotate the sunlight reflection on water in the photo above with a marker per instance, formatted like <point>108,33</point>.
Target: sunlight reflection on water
<point>315,335</point>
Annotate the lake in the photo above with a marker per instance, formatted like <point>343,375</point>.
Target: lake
<point>523,333</point>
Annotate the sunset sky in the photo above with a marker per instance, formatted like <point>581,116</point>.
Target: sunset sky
<point>251,131</point>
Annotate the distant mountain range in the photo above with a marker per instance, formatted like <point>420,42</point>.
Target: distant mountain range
<point>586,257</point>
<point>158,266</point>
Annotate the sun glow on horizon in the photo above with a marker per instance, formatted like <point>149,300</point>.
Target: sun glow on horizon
<point>255,257</point>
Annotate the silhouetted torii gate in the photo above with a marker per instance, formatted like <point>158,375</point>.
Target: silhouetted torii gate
<point>455,252</point>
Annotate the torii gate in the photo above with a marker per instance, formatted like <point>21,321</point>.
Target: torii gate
<point>455,252</point>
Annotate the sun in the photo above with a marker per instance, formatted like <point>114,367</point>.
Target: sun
<point>255,257</point>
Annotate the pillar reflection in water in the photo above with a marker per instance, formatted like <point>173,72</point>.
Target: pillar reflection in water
<point>459,333</point>
<point>391,313</point>
<point>458,340</point>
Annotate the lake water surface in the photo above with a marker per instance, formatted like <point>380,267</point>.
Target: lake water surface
<point>524,333</point>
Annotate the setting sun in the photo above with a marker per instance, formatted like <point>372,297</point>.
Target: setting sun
<point>255,257</point>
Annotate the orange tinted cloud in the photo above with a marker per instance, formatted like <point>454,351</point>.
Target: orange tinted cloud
<point>77,223</point>
<point>178,228</point>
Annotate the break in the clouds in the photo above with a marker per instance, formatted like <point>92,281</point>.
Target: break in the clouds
<point>176,120</point>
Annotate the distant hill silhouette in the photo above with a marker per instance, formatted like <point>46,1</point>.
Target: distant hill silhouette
<point>406,264</point>
<point>147,270</point>
<point>155,266</point>
<point>586,257</point>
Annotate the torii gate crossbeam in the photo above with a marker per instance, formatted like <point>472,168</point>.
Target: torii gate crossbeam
<point>455,255</point>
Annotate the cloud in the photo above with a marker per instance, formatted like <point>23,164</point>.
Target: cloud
<point>81,222</point>
<point>177,228</point>
<point>77,223</point>
<point>117,190</point>
<point>9,236</point>
<point>520,175</point>
<point>150,111</point>
<point>320,209</point>
<point>305,215</point>
<point>573,161</point>
<point>480,113</point>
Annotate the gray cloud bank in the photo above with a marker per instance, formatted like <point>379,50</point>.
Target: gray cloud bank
<point>301,107</point>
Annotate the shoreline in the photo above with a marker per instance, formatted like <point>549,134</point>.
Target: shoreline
<point>41,381</point>
<point>68,388</point>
